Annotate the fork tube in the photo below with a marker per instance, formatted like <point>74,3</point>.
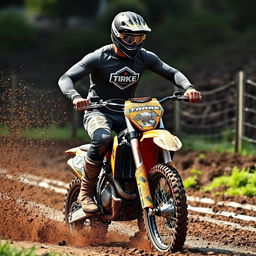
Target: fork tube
<point>134,145</point>
<point>141,172</point>
<point>166,156</point>
<point>161,124</point>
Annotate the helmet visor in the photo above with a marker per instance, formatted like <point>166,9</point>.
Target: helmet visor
<point>133,39</point>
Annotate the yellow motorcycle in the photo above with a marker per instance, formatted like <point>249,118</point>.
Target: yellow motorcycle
<point>138,180</point>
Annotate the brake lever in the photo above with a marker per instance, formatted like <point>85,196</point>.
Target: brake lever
<point>178,93</point>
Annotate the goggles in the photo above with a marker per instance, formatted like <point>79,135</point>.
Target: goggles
<point>133,39</point>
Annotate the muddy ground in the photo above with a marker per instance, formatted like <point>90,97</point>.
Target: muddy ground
<point>25,224</point>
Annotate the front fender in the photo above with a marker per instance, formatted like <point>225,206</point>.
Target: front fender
<point>163,139</point>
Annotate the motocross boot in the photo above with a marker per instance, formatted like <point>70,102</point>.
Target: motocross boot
<point>87,191</point>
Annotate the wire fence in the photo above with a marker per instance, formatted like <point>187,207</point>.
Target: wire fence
<point>249,122</point>
<point>227,114</point>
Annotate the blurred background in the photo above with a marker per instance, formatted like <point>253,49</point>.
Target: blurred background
<point>209,41</point>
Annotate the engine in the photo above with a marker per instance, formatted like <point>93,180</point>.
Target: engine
<point>106,196</point>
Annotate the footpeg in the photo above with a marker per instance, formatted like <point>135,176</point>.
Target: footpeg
<point>77,215</point>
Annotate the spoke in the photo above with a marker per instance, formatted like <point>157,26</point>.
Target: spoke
<point>167,222</point>
<point>158,196</point>
<point>162,195</point>
<point>165,190</point>
<point>165,232</point>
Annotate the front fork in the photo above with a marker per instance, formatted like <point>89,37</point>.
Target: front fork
<point>141,172</point>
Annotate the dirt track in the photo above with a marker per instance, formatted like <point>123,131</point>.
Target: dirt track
<point>31,205</point>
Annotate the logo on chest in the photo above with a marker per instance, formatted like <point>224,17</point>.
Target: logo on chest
<point>124,78</point>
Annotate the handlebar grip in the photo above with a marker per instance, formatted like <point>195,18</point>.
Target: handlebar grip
<point>82,108</point>
<point>183,98</point>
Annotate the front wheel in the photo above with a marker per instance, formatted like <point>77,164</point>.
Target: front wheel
<point>166,223</point>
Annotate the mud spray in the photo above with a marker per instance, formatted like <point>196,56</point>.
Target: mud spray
<point>20,111</point>
<point>20,220</point>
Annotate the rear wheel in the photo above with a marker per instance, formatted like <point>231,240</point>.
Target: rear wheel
<point>94,229</point>
<point>71,204</point>
<point>166,224</point>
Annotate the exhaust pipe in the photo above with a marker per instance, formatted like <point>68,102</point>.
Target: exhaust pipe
<point>120,190</point>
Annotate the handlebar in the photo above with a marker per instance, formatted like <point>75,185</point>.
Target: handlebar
<point>174,98</point>
<point>96,102</point>
<point>101,104</point>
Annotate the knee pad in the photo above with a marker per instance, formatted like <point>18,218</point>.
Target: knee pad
<point>101,140</point>
<point>105,142</point>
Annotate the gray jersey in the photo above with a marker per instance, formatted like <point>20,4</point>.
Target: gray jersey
<point>112,76</point>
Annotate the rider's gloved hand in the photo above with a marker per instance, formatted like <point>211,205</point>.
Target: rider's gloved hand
<point>193,95</point>
<point>80,103</point>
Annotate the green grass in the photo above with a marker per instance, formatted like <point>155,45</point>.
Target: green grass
<point>197,143</point>
<point>52,132</point>
<point>4,131</point>
<point>219,146</point>
<point>192,181</point>
<point>248,149</point>
<point>6,249</point>
<point>201,156</point>
<point>240,182</point>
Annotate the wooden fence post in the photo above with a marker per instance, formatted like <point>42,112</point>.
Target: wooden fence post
<point>239,112</point>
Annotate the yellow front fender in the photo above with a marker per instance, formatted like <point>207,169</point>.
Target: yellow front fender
<point>163,139</point>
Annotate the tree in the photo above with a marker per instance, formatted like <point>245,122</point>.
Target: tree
<point>64,8</point>
<point>6,3</point>
<point>116,6</point>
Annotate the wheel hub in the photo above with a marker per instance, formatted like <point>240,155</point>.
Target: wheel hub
<point>166,210</point>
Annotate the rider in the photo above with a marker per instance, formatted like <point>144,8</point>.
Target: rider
<point>114,71</point>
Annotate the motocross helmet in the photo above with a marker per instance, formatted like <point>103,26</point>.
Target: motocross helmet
<point>128,32</point>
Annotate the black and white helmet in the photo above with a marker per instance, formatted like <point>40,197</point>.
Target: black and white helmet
<point>128,32</point>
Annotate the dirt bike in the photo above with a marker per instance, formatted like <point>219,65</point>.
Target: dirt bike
<point>138,179</point>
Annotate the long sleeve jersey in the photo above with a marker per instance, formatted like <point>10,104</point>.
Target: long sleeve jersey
<point>112,76</point>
